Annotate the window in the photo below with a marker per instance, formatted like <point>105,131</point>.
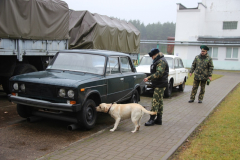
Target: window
<point>213,52</point>
<point>181,64</point>
<point>125,66</point>
<point>113,66</point>
<point>178,63</point>
<point>232,53</point>
<point>230,25</point>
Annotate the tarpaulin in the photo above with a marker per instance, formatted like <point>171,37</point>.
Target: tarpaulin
<point>94,31</point>
<point>34,19</point>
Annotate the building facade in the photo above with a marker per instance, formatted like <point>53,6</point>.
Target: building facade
<point>214,23</point>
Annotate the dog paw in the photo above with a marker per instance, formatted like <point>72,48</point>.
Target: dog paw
<point>133,131</point>
<point>112,130</point>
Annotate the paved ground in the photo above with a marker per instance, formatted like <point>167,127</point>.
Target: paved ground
<point>180,118</point>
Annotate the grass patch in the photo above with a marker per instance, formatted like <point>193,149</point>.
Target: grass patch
<point>191,79</point>
<point>218,136</point>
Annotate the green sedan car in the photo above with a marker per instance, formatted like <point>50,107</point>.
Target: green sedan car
<point>74,83</point>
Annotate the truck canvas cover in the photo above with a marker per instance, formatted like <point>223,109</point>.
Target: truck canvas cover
<point>94,31</point>
<point>34,19</point>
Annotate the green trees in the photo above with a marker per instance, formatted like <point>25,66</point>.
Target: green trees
<point>155,31</point>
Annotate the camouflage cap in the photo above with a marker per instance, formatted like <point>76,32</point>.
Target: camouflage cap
<point>204,47</point>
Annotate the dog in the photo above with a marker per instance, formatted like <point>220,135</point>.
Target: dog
<point>123,111</point>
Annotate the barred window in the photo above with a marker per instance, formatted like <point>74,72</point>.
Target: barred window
<point>230,25</point>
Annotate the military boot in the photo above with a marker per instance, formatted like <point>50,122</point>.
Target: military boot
<point>150,121</point>
<point>158,120</point>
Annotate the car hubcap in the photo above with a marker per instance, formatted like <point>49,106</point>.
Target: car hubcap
<point>89,114</point>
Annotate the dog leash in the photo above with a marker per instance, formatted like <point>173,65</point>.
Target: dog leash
<point>109,108</point>
<point>127,94</point>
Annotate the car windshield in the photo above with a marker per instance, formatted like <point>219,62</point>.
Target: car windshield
<point>80,62</point>
<point>146,60</point>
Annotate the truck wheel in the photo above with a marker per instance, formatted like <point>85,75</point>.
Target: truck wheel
<point>88,115</point>
<point>135,97</point>
<point>24,68</point>
<point>24,111</point>
<point>168,90</point>
<point>182,86</point>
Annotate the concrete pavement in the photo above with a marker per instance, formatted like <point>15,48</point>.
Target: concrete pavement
<point>180,118</point>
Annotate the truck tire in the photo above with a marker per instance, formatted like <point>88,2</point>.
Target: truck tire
<point>24,68</point>
<point>135,97</point>
<point>168,90</point>
<point>88,115</point>
<point>24,111</point>
<point>19,69</point>
<point>182,86</point>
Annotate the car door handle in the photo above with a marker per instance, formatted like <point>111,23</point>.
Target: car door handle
<point>121,79</point>
<point>134,77</point>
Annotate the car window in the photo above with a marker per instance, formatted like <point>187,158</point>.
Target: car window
<point>180,63</point>
<point>170,61</point>
<point>125,65</point>
<point>146,61</point>
<point>79,62</point>
<point>113,66</point>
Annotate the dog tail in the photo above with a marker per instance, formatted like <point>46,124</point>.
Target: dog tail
<point>148,112</point>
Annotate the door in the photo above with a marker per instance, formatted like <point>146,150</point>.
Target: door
<point>115,80</point>
<point>178,72</point>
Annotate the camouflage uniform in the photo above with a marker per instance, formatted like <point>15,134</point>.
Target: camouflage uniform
<point>202,67</point>
<point>157,101</point>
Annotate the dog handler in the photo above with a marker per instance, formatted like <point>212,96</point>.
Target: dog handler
<point>159,78</point>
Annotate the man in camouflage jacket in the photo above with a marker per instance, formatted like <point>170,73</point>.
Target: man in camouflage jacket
<point>202,67</point>
<point>159,79</point>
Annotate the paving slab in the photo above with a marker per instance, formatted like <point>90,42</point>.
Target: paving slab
<point>180,119</point>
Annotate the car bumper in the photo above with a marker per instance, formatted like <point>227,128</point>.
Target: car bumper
<point>44,104</point>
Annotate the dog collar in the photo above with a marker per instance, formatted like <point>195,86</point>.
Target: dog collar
<point>109,108</point>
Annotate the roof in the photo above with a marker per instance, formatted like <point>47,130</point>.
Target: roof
<point>95,51</point>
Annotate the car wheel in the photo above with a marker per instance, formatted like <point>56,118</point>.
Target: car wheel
<point>88,115</point>
<point>168,90</point>
<point>135,97</point>
<point>182,86</point>
<point>24,111</point>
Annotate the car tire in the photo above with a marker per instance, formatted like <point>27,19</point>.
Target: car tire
<point>24,111</point>
<point>135,97</point>
<point>88,115</point>
<point>168,90</point>
<point>24,68</point>
<point>5,84</point>
<point>182,86</point>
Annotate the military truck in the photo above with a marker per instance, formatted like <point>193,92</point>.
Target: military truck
<point>32,32</point>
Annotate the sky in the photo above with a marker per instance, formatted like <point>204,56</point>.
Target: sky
<point>147,11</point>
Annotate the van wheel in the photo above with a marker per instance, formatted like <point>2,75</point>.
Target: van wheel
<point>24,68</point>
<point>135,97</point>
<point>182,86</point>
<point>88,115</point>
<point>24,111</point>
<point>168,90</point>
<point>5,84</point>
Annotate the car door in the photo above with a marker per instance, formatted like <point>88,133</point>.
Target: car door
<point>177,71</point>
<point>115,80</point>
<point>128,75</point>
<point>182,70</point>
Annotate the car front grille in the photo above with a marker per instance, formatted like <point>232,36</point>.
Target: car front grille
<point>40,90</point>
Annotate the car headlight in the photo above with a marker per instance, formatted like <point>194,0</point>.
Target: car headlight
<point>62,93</point>
<point>15,86</point>
<point>22,86</point>
<point>70,93</point>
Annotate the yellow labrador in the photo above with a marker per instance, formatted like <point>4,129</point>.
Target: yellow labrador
<point>123,111</point>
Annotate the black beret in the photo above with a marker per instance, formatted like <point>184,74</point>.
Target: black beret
<point>204,47</point>
<point>153,52</point>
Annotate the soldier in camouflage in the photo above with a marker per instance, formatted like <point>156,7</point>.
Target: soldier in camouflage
<point>202,67</point>
<point>159,79</point>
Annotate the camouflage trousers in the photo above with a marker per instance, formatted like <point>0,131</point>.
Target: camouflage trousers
<point>195,88</point>
<point>157,101</point>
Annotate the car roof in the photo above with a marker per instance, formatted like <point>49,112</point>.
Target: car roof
<point>95,51</point>
<point>165,55</point>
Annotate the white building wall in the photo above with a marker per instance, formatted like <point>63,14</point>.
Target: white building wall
<point>207,21</point>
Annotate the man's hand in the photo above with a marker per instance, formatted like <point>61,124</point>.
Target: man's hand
<point>210,78</point>
<point>145,79</point>
<point>190,74</point>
